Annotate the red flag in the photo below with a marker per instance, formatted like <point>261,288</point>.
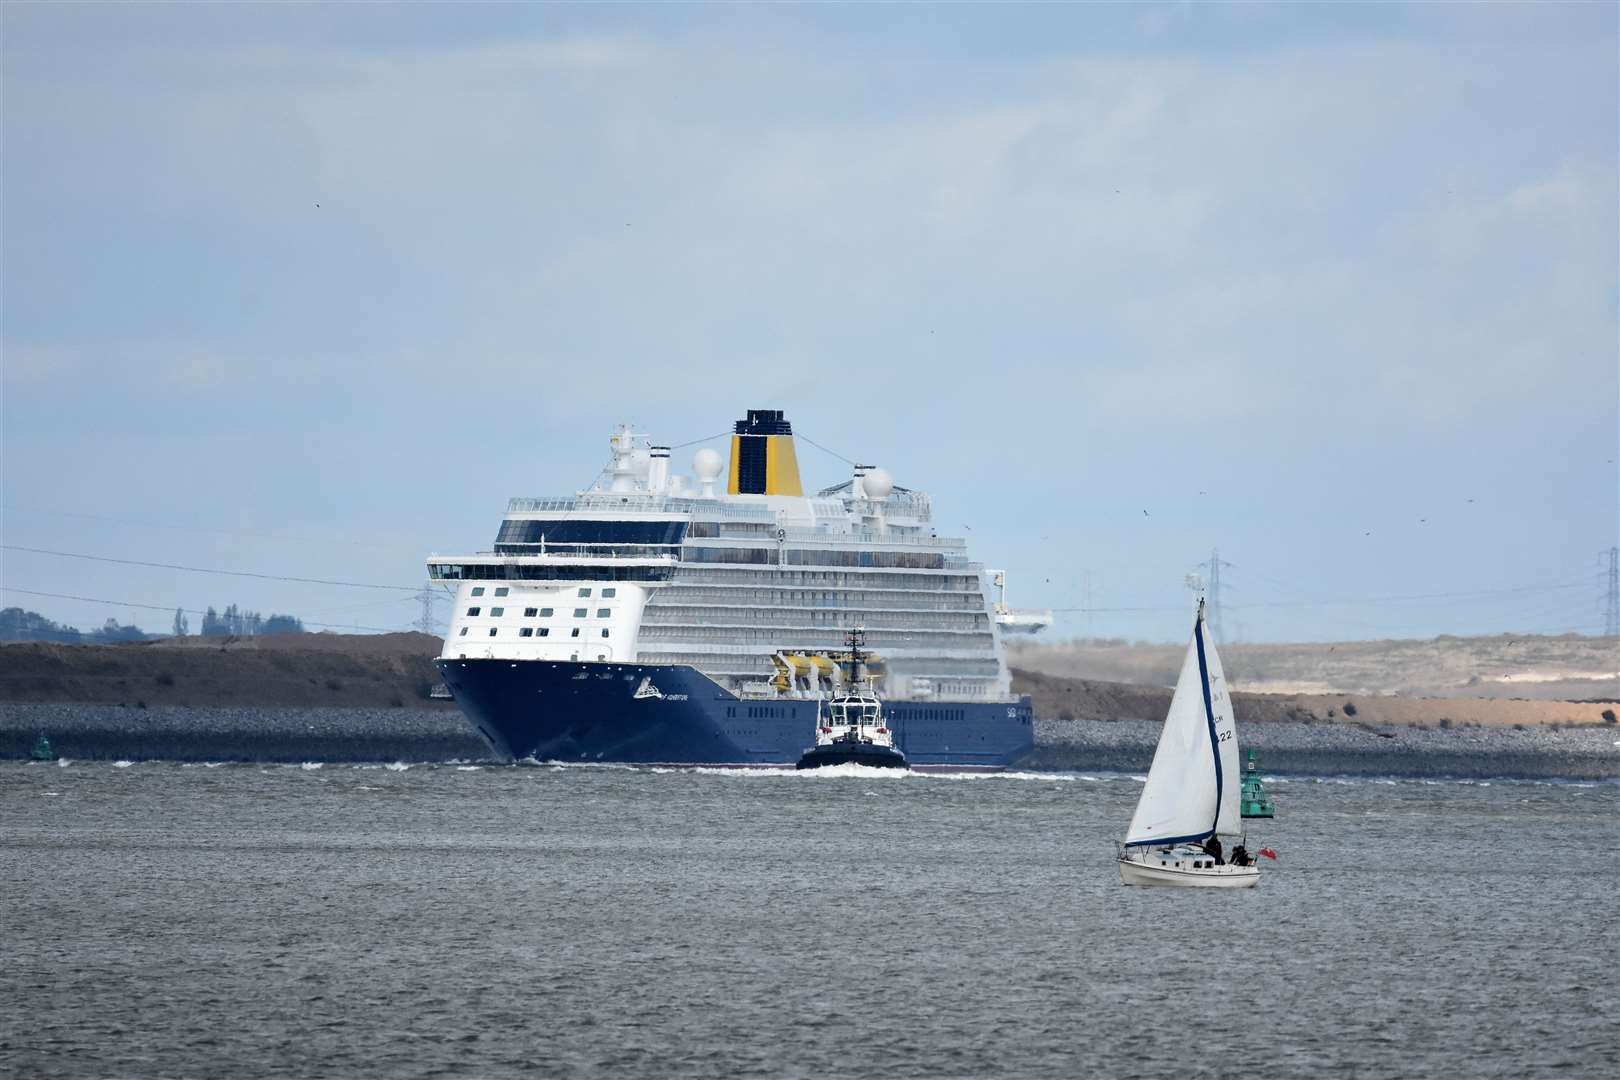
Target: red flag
<point>1268,853</point>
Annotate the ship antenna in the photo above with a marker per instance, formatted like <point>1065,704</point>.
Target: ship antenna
<point>857,638</point>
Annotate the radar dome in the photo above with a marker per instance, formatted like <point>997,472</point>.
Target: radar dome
<point>878,484</point>
<point>707,464</point>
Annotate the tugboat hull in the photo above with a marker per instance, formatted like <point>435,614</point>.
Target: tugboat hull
<point>879,757</point>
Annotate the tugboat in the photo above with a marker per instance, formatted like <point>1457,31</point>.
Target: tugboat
<point>852,731</point>
<point>42,750</point>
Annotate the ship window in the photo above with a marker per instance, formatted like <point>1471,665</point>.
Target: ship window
<point>493,631</point>
<point>473,610</point>
<point>527,631</point>
<point>502,591</point>
<point>602,612</point>
<point>584,592</point>
<point>580,613</point>
<point>604,633</point>
<point>608,594</point>
<point>463,631</point>
<point>478,590</point>
<point>575,632</point>
<point>497,612</point>
<point>545,631</point>
<point>529,612</point>
<point>545,613</point>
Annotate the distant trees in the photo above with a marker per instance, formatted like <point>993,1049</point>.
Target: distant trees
<point>111,631</point>
<point>283,624</point>
<point>19,625</point>
<point>236,623</point>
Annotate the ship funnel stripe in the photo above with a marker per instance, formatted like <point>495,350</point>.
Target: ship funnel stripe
<point>763,459</point>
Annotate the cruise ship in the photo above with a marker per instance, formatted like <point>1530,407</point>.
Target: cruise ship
<point>658,618</point>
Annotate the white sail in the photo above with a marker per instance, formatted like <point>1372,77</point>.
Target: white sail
<point>1192,785</point>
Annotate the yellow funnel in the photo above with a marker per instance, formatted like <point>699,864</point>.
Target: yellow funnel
<point>763,461</point>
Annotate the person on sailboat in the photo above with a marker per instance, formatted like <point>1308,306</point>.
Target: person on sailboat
<point>1212,847</point>
<point>1240,856</point>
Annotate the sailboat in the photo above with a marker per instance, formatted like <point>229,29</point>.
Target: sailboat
<point>1191,794</point>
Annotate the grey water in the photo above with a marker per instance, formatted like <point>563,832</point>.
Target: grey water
<point>188,921</point>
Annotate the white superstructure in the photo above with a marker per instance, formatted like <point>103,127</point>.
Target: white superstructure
<point>653,568</point>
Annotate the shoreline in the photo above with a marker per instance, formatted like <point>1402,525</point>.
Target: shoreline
<point>287,735</point>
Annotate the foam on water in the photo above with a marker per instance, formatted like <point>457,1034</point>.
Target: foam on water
<point>122,764</point>
<point>396,766</point>
<point>310,766</point>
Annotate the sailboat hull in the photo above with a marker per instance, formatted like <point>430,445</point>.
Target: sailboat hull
<point>1137,872</point>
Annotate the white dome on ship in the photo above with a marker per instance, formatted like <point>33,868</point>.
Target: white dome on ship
<point>706,464</point>
<point>878,484</point>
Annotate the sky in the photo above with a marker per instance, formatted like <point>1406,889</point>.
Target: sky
<point>311,290</point>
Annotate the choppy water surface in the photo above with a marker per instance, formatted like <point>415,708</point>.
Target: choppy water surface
<point>162,920</point>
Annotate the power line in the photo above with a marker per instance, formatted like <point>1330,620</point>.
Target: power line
<point>206,570</point>
<point>1611,615</point>
<point>1215,563</point>
<point>427,623</point>
<point>188,611</point>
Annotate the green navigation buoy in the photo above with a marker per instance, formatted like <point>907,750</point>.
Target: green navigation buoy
<point>1253,793</point>
<point>42,750</point>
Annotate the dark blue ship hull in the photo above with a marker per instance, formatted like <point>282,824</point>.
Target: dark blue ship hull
<point>669,715</point>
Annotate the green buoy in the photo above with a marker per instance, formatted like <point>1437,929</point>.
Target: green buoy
<point>42,750</point>
<point>1253,794</point>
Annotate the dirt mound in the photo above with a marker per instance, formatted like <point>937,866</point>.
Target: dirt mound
<point>1567,667</point>
<point>410,643</point>
<point>1057,698</point>
<point>305,670</point>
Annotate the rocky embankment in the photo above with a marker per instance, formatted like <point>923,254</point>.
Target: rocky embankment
<point>1293,748</point>
<point>169,733</point>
